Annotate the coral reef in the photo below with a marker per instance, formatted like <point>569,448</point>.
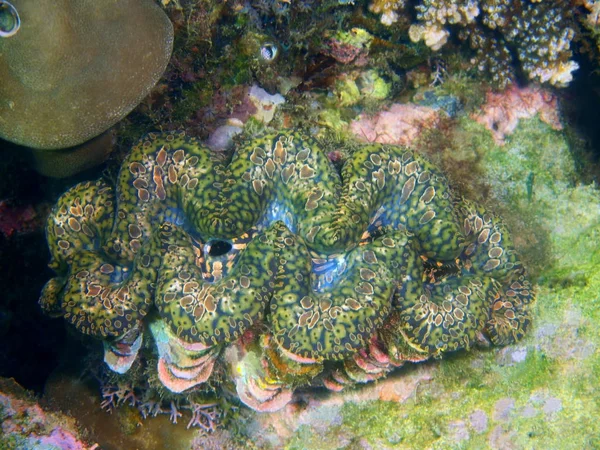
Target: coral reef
<point>194,328</point>
<point>537,32</point>
<point>541,392</point>
<point>74,69</point>
<point>204,415</point>
<point>300,274</point>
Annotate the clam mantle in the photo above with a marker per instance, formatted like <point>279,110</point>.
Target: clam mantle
<point>278,268</point>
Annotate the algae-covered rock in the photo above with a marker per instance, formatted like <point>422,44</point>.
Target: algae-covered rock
<point>26,425</point>
<point>75,68</point>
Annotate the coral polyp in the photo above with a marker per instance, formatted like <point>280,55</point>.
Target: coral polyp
<point>538,33</point>
<point>321,276</point>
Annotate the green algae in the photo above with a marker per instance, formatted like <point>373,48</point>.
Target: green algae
<point>373,87</point>
<point>10,442</point>
<point>429,421</point>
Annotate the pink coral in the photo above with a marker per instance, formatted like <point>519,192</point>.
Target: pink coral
<point>205,416</point>
<point>399,125</point>
<point>116,395</point>
<point>502,111</point>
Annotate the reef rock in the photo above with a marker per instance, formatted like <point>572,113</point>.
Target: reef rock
<point>25,424</point>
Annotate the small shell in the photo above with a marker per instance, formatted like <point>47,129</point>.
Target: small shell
<point>10,22</point>
<point>268,52</point>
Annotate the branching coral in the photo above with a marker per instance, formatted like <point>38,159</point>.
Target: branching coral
<point>204,414</point>
<point>297,272</point>
<point>387,9</point>
<point>537,32</point>
<point>593,17</point>
<point>543,41</point>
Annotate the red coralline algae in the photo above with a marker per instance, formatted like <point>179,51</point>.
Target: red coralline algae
<point>25,424</point>
<point>399,125</point>
<point>502,110</point>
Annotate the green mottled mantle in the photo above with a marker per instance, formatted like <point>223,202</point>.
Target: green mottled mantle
<point>334,260</point>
